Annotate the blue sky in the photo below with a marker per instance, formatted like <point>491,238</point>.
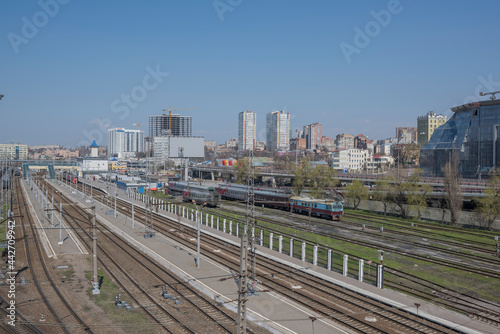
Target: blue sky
<point>65,82</point>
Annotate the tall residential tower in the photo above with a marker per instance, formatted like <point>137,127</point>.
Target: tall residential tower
<point>313,133</point>
<point>124,142</point>
<point>277,131</point>
<point>246,130</point>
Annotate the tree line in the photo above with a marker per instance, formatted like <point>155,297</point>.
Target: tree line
<point>398,192</point>
<point>403,194</point>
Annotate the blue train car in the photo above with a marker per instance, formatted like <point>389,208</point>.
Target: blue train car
<point>121,185</point>
<point>329,209</point>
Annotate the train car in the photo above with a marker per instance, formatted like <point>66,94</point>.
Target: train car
<point>328,209</point>
<point>5,182</point>
<point>70,177</point>
<point>177,187</point>
<point>273,198</point>
<point>205,194</point>
<point>122,185</point>
<point>234,192</point>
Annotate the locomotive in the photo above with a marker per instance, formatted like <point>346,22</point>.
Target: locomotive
<point>73,178</point>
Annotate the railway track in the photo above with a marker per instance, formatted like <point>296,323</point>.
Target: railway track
<point>389,220</point>
<point>62,318</point>
<point>365,243</point>
<point>23,324</point>
<point>425,289</point>
<point>347,223</point>
<point>485,248</point>
<point>334,303</point>
<point>474,307</point>
<point>210,317</point>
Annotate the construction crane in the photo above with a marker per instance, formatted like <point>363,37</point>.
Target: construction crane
<point>170,117</point>
<point>139,124</point>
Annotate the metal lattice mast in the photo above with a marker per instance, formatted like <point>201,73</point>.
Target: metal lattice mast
<point>247,249</point>
<point>95,276</point>
<point>241,321</point>
<point>250,216</point>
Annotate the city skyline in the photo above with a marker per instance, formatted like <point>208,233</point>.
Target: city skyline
<point>71,81</point>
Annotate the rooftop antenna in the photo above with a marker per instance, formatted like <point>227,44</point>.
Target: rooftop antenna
<point>492,97</point>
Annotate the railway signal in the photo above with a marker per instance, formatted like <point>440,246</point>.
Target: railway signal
<point>381,256</point>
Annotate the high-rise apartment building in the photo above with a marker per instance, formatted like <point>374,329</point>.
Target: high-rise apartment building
<point>345,141</point>
<point>246,130</point>
<point>426,126</point>
<point>277,131</point>
<point>125,142</point>
<point>297,144</point>
<point>313,133</point>
<point>13,151</point>
<point>181,125</point>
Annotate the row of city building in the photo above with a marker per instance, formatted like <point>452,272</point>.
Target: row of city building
<point>472,135</point>
<point>167,141</point>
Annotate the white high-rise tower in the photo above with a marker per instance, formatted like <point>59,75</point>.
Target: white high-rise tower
<point>278,131</point>
<point>246,130</point>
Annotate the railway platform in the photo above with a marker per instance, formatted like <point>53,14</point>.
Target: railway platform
<point>57,240</point>
<point>269,309</point>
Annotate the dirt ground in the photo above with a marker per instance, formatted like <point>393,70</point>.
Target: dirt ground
<point>74,285</point>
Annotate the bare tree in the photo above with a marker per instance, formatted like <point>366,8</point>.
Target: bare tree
<point>488,209</point>
<point>398,191</point>
<point>453,196</point>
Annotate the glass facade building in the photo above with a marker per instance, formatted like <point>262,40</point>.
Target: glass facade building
<point>472,134</point>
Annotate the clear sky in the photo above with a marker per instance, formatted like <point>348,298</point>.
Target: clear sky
<point>70,69</point>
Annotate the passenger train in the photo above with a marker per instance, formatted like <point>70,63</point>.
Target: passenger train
<point>205,194</point>
<point>270,197</point>
<point>70,177</point>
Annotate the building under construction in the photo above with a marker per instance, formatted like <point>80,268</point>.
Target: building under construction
<point>181,125</point>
